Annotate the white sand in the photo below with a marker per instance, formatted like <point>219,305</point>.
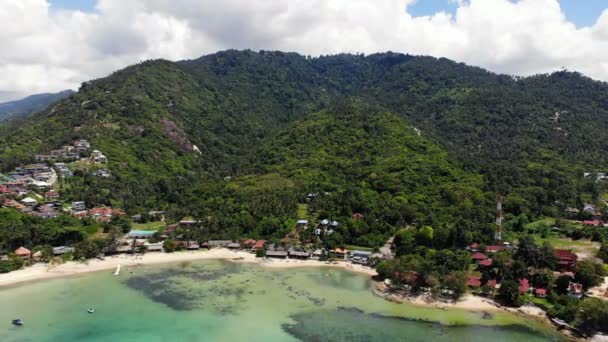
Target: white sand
<point>46,271</point>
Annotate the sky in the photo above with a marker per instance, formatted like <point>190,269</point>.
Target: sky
<point>52,45</point>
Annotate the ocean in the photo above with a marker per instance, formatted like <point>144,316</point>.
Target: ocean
<point>224,301</point>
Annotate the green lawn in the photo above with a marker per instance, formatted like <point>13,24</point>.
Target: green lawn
<point>358,248</point>
<point>584,246</point>
<point>302,211</point>
<point>156,225</point>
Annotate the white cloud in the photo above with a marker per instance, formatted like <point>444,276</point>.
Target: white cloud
<point>51,50</point>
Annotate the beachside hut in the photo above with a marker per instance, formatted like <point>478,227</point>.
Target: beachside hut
<point>23,253</point>
<point>258,245</point>
<point>193,245</point>
<point>277,254</point>
<point>62,250</point>
<point>154,247</point>
<point>249,243</point>
<point>294,254</point>
<point>339,253</point>
<point>219,243</point>
<point>474,282</point>
<point>234,245</point>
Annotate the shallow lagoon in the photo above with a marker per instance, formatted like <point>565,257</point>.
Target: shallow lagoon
<point>222,301</point>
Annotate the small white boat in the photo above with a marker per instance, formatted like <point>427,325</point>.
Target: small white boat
<point>91,310</point>
<point>17,321</point>
<point>117,272</point>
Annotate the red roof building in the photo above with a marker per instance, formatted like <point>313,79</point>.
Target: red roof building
<point>474,282</point>
<point>566,259</point>
<point>486,263</point>
<point>4,189</point>
<point>52,194</point>
<point>541,293</point>
<point>358,216</point>
<point>492,283</point>
<point>494,249</point>
<point>23,252</point>
<point>259,244</point>
<point>474,247</point>
<point>249,242</point>
<point>524,285</point>
<point>575,290</point>
<point>594,223</point>
<point>479,256</point>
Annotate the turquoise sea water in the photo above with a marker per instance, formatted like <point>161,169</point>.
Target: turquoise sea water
<point>222,301</point>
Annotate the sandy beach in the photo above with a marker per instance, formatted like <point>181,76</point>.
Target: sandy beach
<point>42,271</point>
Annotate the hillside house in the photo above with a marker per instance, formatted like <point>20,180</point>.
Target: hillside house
<point>78,206</point>
<point>575,290</point>
<point>98,157</point>
<point>566,259</point>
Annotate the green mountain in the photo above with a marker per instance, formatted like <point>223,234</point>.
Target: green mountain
<point>33,103</point>
<point>240,138</point>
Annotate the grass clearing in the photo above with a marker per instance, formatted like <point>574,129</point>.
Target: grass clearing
<point>156,225</point>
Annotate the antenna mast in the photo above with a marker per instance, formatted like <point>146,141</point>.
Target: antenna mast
<point>499,219</point>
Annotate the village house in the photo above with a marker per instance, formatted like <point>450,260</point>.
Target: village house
<point>566,259</point>
<point>154,247</point>
<point>575,290</point>
<point>52,195</point>
<point>295,254</point>
<point>474,282</point>
<point>28,201</point>
<point>234,245</point>
<point>302,224</point>
<point>524,285</point>
<point>98,157</point>
<point>78,206</point>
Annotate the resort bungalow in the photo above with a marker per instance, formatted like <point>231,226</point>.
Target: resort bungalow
<point>23,253</point>
<point>474,282</point>
<point>234,245</point>
<point>317,254</point>
<point>277,254</point>
<point>258,245</point>
<point>193,245</point>
<point>78,206</point>
<point>141,234</point>
<point>339,253</point>
<point>294,254</point>
<point>302,224</point>
<point>219,243</point>
<point>479,256</point>
<point>540,293</point>
<point>124,249</point>
<point>360,257</point>
<point>154,247</point>
<point>63,250</point>
<point>249,243</point>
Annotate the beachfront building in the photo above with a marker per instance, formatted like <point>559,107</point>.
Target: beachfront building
<point>360,257</point>
<point>141,234</point>
<point>295,254</point>
<point>23,253</point>
<point>339,253</point>
<point>63,250</point>
<point>277,254</point>
<point>218,243</point>
<point>153,247</point>
<point>260,244</point>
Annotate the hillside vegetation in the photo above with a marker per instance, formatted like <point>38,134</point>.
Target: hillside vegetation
<point>240,138</point>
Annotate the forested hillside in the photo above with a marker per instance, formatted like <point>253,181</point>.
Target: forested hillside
<point>33,103</point>
<point>240,138</point>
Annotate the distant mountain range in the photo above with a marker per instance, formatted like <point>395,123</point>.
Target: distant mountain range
<point>30,104</point>
<point>241,138</point>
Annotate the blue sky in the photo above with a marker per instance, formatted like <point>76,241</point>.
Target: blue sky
<point>580,12</point>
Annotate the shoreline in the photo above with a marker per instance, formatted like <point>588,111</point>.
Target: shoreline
<point>41,272</point>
